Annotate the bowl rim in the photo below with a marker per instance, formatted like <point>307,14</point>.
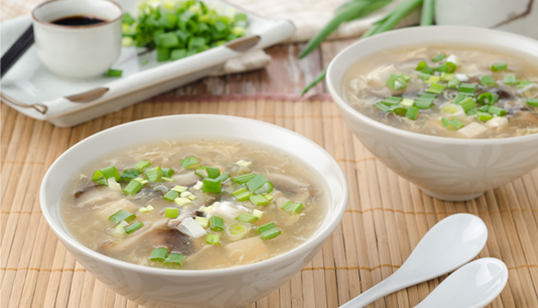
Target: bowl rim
<point>343,105</point>
<point>326,228</point>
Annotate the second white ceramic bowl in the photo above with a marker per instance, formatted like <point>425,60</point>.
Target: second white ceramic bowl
<point>220,288</point>
<point>444,168</point>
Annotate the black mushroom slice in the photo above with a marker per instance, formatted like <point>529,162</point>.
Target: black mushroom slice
<point>300,189</point>
<point>173,240</point>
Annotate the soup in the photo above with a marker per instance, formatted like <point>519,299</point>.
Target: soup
<point>449,92</point>
<point>195,205</point>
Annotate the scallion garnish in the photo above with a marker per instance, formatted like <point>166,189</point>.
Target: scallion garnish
<point>510,79</point>
<point>488,81</point>
<point>398,109</point>
<point>190,162</point>
<point>407,102</point>
<point>392,100</point>
<point>216,223</point>
<point>141,165</point>
<point>269,231</point>
<point>498,67</point>
<point>202,221</point>
<point>424,68</point>
<point>101,176</point>
<point>168,172</point>
<point>246,217</point>
<point>133,187</point>
<point>436,88</point>
<point>523,83</point>
<point>259,200</point>
<point>412,113</point>
<point>467,104</point>
<point>212,238</point>
<point>497,111</point>
<point>114,73</point>
<point>532,102</point>
<point>223,177</point>
<point>171,212</point>
<point>447,67</point>
<point>467,87</point>
<point>174,260</point>
<point>135,226</point>
<point>256,182</point>
<point>454,82</point>
<point>396,81</point>
<point>129,174</point>
<point>159,254</point>
<point>212,186</point>
<point>424,76</point>
<point>438,57</point>
<point>484,108</point>
<point>154,174</point>
<point>453,124</point>
<point>484,116</point>
<point>122,215</point>
<point>383,107</point>
<point>462,96</point>
<point>242,179</point>
<point>293,207</point>
<point>257,213</point>
<point>171,195</point>
<point>242,194</point>
<point>424,101</point>
<point>433,79</point>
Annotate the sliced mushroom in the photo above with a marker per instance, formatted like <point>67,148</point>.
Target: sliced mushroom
<point>526,118</point>
<point>121,244</point>
<point>95,196</point>
<point>187,178</point>
<point>173,240</point>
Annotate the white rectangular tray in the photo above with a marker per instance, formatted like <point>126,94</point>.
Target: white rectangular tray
<point>34,91</point>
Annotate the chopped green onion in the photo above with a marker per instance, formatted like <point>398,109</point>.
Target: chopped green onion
<point>259,200</point>
<point>242,179</point>
<point>143,210</point>
<point>421,65</point>
<point>436,88</point>
<point>396,81</point>
<point>133,187</point>
<point>510,79</point>
<point>256,182</point>
<point>488,81</point>
<point>202,221</point>
<point>179,189</point>
<point>447,67</point>
<point>399,109</point>
<point>171,212</point>
<point>462,96</point>
<point>129,174</point>
<point>496,110</point>
<point>523,83</point>
<point>190,162</point>
<point>135,226</point>
<point>483,116</point>
<point>467,87</point>
<point>163,54</point>
<point>392,100</point>
<point>168,172</point>
<point>439,57</point>
<point>268,197</point>
<point>269,231</point>
<point>101,176</point>
<point>424,76</point>
<point>498,67</point>
<point>174,260</point>
<point>159,254</point>
<point>454,82</point>
<point>447,76</point>
<point>216,223</point>
<point>178,53</point>
<point>141,165</point>
<point>433,79</point>
<point>168,39</point>
<point>383,107</point>
<point>412,113</point>
<point>472,112</point>
<point>453,124</point>
<point>114,73</point>
<point>494,98</point>
<point>424,101</point>
<point>242,194</point>
<point>122,215</point>
<point>212,238</point>
<point>223,177</point>
<point>407,102</point>
<point>265,189</point>
<point>467,104</point>
<point>257,213</point>
<point>171,195</point>
<point>532,102</point>
<point>246,217</point>
<point>212,172</point>
<point>182,201</point>
<point>485,99</point>
<point>154,174</point>
<point>212,186</point>
<point>424,68</point>
<point>293,207</point>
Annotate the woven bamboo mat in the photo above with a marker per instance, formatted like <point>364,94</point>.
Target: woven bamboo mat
<point>386,215</point>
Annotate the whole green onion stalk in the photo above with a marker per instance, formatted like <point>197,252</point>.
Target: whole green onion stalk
<point>385,24</point>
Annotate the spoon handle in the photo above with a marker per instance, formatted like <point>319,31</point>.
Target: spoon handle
<point>376,292</point>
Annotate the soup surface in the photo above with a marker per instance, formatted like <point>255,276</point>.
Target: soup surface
<point>195,205</point>
<point>449,92</point>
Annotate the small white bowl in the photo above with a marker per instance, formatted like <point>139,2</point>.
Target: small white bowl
<point>220,288</point>
<point>444,168</point>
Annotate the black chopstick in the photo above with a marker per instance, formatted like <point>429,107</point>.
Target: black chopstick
<point>16,50</point>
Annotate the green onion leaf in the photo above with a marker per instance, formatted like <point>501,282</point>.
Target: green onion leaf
<point>392,100</point>
<point>216,223</point>
<point>171,195</point>
<point>243,179</point>
<point>396,81</point>
<point>453,124</point>
<point>532,102</point>
<point>174,260</point>
<point>163,54</point>
<point>141,165</point>
<point>483,116</point>
<point>259,200</point>
<point>424,76</point>
<point>436,88</point>
<point>462,96</point>
<point>122,215</point>
<point>485,98</point>
<point>454,82</point>
<point>168,40</point>
<point>447,67</point>
<point>212,186</point>
<point>383,107</point>
<point>129,174</point>
<point>212,172</point>
<point>133,187</point>
<point>467,104</point>
<point>159,254</point>
<point>154,174</point>
<point>246,217</point>
<point>488,81</point>
<point>257,182</point>
<point>266,188</point>
<point>269,231</point>
<point>510,79</point>
<point>190,162</point>
<point>293,207</point>
<point>523,83</point>
<point>242,194</point>
<point>467,88</point>
<point>439,57</point>
<point>171,212</point>
<point>496,110</point>
<point>212,238</point>
<point>135,226</point>
<point>114,73</point>
<point>223,177</point>
<point>168,172</point>
<point>102,176</point>
<point>399,109</point>
<point>498,67</point>
<point>412,113</point>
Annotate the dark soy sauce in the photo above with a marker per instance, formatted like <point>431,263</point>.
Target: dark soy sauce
<point>78,21</point>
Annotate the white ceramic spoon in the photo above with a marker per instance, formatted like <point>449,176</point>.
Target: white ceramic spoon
<point>451,243</point>
<point>474,285</point>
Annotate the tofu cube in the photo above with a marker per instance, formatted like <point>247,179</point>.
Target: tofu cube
<point>498,123</point>
<point>473,130</point>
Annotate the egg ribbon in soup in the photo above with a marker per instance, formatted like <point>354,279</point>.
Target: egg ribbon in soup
<point>447,92</point>
<point>198,205</point>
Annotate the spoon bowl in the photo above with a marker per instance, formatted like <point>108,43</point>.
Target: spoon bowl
<point>474,285</point>
<point>451,243</point>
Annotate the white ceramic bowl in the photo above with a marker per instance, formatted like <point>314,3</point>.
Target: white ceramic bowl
<point>444,168</point>
<point>229,287</point>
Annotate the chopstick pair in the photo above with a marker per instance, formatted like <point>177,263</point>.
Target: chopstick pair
<point>16,50</point>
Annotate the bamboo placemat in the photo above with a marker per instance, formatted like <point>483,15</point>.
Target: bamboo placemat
<point>386,215</point>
